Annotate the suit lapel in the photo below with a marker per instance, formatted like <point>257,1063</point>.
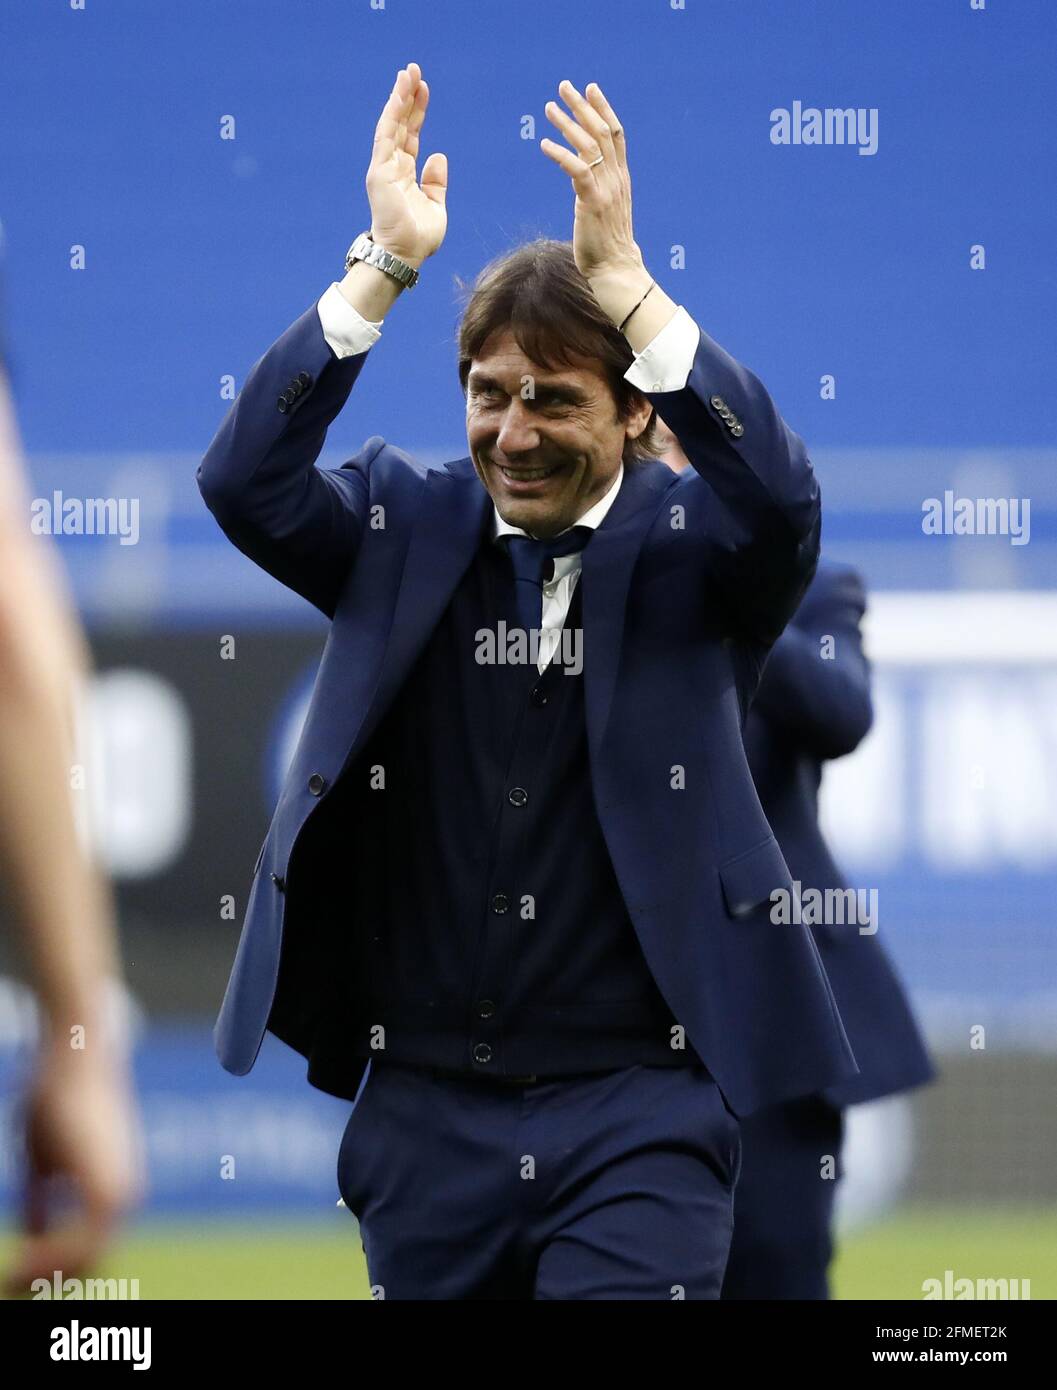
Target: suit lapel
<point>446,532</point>
<point>608,562</point>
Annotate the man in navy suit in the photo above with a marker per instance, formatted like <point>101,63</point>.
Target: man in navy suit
<point>510,903</point>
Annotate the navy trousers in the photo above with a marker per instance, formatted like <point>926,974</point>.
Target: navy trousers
<point>783,1206</point>
<point>611,1185</point>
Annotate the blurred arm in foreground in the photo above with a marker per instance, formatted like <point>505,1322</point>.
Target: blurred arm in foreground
<point>81,1131</point>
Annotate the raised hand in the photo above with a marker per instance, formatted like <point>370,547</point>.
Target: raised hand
<point>603,240</point>
<point>407,219</point>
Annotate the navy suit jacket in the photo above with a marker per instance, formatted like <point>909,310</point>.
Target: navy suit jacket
<point>686,585</point>
<point>807,710</point>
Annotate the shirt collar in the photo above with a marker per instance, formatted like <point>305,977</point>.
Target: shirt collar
<point>593,517</point>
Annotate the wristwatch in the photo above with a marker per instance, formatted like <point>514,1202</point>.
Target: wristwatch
<point>364,249</point>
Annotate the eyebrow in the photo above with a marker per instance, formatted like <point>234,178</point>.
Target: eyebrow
<point>482,381</point>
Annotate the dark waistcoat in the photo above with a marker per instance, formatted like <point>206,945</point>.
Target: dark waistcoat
<point>492,936</point>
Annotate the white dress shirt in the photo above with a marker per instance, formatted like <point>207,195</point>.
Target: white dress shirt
<point>663,365</point>
<point>558,591</point>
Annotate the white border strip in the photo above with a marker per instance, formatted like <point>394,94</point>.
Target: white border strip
<point>933,628</point>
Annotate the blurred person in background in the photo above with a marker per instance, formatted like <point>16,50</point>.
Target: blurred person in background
<point>811,707</point>
<point>82,1160</point>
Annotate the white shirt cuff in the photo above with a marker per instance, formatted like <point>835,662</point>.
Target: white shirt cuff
<point>347,332</point>
<point>664,363</point>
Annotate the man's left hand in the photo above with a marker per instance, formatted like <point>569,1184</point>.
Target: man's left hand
<point>603,241</point>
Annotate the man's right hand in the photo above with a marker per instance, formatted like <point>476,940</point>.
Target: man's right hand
<point>406,219</point>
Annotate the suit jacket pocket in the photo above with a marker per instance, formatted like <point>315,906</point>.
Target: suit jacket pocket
<point>751,877</point>
<point>351,1162</point>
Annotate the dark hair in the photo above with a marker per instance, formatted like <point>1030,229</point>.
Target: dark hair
<point>537,292</point>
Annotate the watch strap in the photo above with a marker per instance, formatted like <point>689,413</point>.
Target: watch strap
<point>364,249</point>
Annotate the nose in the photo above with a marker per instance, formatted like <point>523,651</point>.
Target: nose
<point>517,432</point>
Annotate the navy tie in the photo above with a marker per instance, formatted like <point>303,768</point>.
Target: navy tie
<point>533,565</point>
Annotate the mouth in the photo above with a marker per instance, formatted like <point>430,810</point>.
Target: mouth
<point>528,479</point>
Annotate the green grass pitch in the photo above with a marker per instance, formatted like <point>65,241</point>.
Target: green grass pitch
<point>889,1260</point>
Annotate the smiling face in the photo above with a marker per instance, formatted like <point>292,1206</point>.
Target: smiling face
<point>544,457</point>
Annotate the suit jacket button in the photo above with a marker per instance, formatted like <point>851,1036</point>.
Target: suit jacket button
<point>482,1053</point>
<point>737,430</point>
<point>305,378</point>
<point>485,1009</point>
<point>719,402</point>
<point>283,404</point>
<point>316,783</point>
<point>279,882</point>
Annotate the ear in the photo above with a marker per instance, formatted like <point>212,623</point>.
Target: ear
<point>638,416</point>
